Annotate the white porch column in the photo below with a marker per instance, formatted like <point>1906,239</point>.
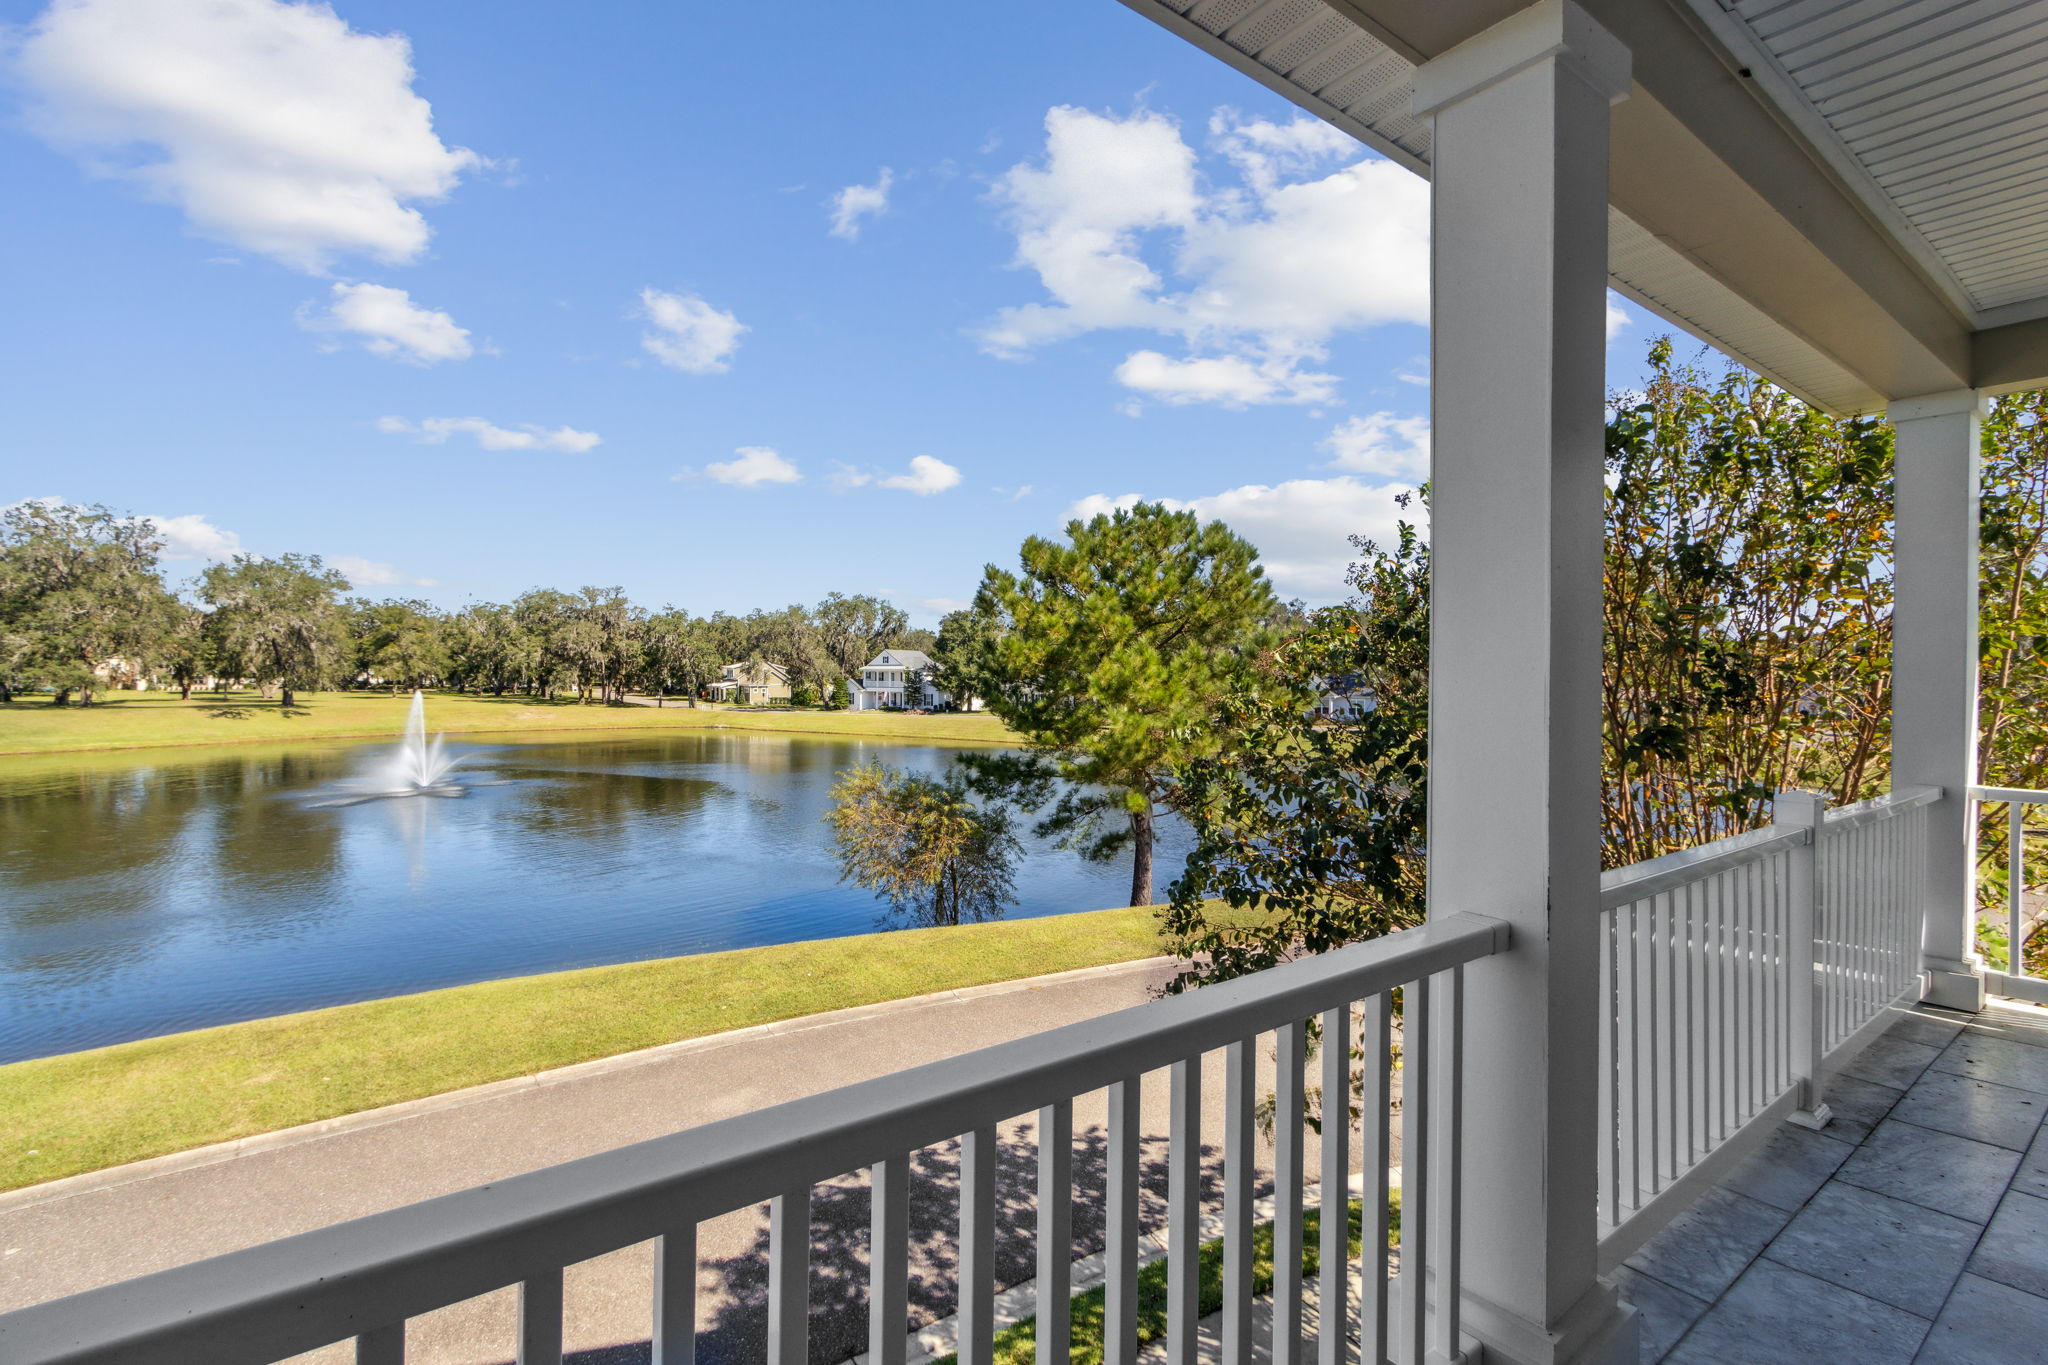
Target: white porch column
<point>1519,277</point>
<point>1934,668</point>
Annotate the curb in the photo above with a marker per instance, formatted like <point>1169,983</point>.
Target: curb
<point>88,1182</point>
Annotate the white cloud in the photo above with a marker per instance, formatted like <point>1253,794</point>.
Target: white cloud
<point>490,436</point>
<point>1346,251</point>
<point>272,126</point>
<point>194,537</point>
<point>1382,445</point>
<point>1077,217</point>
<point>689,334</point>
<point>856,202</point>
<point>1302,527</point>
<point>1102,504</point>
<point>927,475</point>
<point>391,325</point>
<point>1616,318</point>
<point>1231,381</point>
<point>1124,231</point>
<point>753,466</point>
<point>1264,151</point>
<point>1017,494</point>
<point>371,573</point>
<point>939,606</point>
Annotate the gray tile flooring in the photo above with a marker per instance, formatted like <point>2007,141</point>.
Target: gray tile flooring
<point>1913,1228</point>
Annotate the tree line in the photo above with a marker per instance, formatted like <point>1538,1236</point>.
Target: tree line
<point>1748,619</point>
<point>1748,641</point>
<point>83,595</point>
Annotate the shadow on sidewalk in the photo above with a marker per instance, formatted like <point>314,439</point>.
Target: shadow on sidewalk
<point>737,1286</point>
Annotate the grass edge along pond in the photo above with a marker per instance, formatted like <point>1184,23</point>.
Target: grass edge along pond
<point>86,1111</point>
<point>150,720</point>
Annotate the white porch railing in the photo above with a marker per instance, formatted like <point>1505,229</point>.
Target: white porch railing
<point>362,1280</point>
<point>1738,976</point>
<point>2014,980</point>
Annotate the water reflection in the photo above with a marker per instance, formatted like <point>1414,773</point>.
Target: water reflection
<point>142,895</point>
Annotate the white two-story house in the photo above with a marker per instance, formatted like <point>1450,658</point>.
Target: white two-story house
<point>899,679</point>
<point>1344,698</point>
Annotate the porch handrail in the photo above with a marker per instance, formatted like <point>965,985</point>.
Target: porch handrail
<point>364,1278</point>
<point>1620,886</point>
<point>1739,975</point>
<point>2025,796</point>
<point>1883,807</point>
<point>2017,799</point>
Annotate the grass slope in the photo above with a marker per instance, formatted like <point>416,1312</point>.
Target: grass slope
<point>88,1110</point>
<point>128,720</point>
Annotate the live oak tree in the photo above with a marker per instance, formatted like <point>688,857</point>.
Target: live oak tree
<point>78,590</point>
<point>678,653</point>
<point>596,640</point>
<point>404,644</point>
<point>914,637</point>
<point>490,650</point>
<point>923,845</point>
<point>854,629</point>
<point>1115,649</point>
<point>184,650</point>
<point>790,640</point>
<point>541,614</point>
<point>966,655</point>
<point>280,619</point>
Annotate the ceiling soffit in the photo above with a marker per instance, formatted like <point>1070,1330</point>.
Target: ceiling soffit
<point>1842,329</point>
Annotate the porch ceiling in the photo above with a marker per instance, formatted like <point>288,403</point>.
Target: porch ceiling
<point>1849,198</point>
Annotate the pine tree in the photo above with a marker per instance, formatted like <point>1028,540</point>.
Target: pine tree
<point>1114,650</point>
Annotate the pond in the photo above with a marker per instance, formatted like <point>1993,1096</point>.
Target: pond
<point>155,891</point>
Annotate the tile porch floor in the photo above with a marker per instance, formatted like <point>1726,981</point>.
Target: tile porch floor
<point>1913,1228</point>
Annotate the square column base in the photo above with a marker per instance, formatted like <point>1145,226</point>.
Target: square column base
<point>1954,988</point>
<point>1600,1330</point>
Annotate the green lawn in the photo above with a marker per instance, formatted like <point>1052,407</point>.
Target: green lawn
<point>88,1110</point>
<point>129,720</point>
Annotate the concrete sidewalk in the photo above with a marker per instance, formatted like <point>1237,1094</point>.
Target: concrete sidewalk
<point>92,1230</point>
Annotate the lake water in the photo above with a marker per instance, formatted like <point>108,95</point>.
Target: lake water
<point>155,891</point>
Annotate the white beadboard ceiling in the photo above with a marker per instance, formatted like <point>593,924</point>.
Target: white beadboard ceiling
<point>1940,106</point>
<point>1933,113</point>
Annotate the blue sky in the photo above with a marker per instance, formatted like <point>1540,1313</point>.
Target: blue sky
<point>732,306</point>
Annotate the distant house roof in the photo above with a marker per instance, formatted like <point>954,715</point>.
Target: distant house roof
<point>740,673</point>
<point>901,658</point>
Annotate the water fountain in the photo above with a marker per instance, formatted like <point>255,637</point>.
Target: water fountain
<point>416,768</point>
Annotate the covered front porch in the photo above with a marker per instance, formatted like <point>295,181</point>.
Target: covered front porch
<point>1599,1074</point>
<point>1914,1227</point>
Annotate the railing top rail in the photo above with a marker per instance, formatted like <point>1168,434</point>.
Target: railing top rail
<point>1639,881</point>
<point>277,1300</point>
<point>1882,807</point>
<point>2024,795</point>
